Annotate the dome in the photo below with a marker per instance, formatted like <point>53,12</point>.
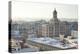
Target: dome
<point>54,11</point>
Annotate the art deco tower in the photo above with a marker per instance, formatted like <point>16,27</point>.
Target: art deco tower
<point>55,15</point>
<point>56,24</point>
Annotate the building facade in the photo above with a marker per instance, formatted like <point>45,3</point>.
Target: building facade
<point>45,30</point>
<point>54,25</point>
<point>57,27</point>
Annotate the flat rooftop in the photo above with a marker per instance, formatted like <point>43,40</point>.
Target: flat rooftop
<point>50,42</point>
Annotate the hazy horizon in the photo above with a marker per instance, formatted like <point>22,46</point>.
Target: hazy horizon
<point>62,19</point>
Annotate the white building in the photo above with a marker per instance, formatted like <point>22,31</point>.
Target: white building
<point>50,44</point>
<point>74,34</point>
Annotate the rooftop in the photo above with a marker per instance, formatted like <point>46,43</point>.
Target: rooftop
<point>51,42</point>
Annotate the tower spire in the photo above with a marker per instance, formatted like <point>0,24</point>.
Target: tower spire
<point>54,13</point>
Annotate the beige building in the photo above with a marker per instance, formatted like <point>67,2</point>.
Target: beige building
<point>39,31</point>
<point>45,30</point>
<point>57,27</point>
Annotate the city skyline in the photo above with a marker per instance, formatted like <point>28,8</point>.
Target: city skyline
<point>23,11</point>
<point>36,27</point>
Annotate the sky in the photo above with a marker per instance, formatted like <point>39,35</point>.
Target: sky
<point>29,11</point>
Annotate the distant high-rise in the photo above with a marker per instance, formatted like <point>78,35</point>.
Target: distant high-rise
<point>54,24</point>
